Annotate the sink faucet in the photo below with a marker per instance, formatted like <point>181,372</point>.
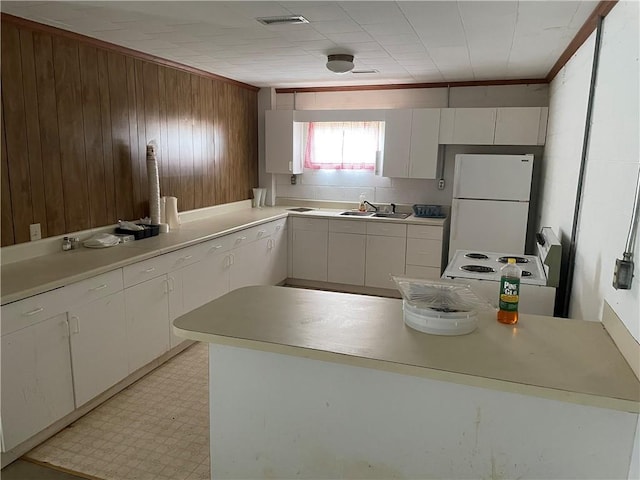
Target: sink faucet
<point>393,207</point>
<point>375,209</point>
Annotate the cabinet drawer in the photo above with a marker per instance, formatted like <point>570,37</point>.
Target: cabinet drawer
<point>428,273</point>
<point>94,288</point>
<point>185,256</point>
<point>32,310</point>
<point>347,226</point>
<point>249,235</point>
<point>217,245</point>
<point>432,232</point>
<point>143,271</point>
<point>277,225</point>
<point>427,253</point>
<point>310,224</point>
<point>386,229</point>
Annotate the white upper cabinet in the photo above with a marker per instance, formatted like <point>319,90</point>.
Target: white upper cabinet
<point>493,126</point>
<point>425,130</point>
<point>467,126</point>
<point>521,126</point>
<point>397,143</point>
<point>411,143</point>
<point>283,150</point>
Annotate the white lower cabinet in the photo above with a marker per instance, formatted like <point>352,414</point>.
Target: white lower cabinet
<point>63,348</point>
<point>424,251</point>
<point>346,252</point>
<point>385,257</point>
<point>248,265</point>
<point>37,385</point>
<point>386,249</point>
<point>309,249</point>
<point>98,334</point>
<point>277,255</point>
<point>147,319</point>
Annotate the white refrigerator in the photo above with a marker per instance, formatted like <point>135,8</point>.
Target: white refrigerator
<point>490,207</point>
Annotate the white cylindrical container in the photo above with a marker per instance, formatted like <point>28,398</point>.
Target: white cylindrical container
<point>163,210</point>
<point>256,197</point>
<point>171,206</point>
<point>263,197</point>
<point>154,184</point>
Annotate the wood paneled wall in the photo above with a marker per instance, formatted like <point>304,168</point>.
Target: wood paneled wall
<point>76,119</point>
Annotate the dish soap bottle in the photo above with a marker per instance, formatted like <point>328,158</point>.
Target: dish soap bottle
<point>362,207</point>
<point>509,292</point>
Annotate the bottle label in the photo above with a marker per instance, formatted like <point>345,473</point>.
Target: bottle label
<point>509,294</point>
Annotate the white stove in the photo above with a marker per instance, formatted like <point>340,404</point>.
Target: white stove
<point>540,273</point>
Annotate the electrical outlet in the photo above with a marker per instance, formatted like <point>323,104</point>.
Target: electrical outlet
<point>34,232</point>
<point>441,184</point>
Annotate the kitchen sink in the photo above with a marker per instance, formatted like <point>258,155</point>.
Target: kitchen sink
<point>301,209</point>
<point>391,215</point>
<point>354,213</point>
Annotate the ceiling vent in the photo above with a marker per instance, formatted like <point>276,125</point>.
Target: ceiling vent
<point>288,20</point>
<point>357,72</point>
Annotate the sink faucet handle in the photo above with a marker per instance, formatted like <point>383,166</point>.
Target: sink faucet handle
<point>393,208</point>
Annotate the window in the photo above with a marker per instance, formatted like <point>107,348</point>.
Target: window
<point>342,145</point>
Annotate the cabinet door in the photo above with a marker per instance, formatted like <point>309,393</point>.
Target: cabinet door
<point>467,126</point>
<point>205,281</point>
<point>277,252</point>
<point>147,314</point>
<point>309,255</point>
<point>37,385</point>
<point>425,128</point>
<point>98,337</point>
<point>176,286</point>
<point>281,143</point>
<point>346,258</point>
<point>397,143</point>
<point>520,126</point>
<point>249,265</point>
<point>385,257</point>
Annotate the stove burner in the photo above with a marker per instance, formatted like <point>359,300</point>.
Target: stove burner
<point>477,269</point>
<point>477,256</point>
<point>526,273</point>
<point>518,259</point>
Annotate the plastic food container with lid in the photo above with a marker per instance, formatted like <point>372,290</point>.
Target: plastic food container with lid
<point>442,307</point>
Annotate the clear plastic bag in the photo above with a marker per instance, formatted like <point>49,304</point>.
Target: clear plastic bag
<point>440,295</point>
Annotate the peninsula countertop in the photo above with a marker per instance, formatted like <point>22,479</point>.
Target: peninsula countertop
<point>561,359</point>
<point>36,275</point>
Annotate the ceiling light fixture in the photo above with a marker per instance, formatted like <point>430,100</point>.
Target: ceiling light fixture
<point>340,62</point>
<point>288,20</point>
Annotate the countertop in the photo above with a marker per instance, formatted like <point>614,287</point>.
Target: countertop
<point>47,272</point>
<point>561,359</point>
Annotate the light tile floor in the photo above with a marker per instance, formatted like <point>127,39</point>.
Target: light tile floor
<point>156,429</point>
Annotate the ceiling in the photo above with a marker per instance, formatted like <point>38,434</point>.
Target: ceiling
<point>405,42</point>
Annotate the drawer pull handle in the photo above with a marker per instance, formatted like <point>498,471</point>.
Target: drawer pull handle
<point>99,287</point>
<point>34,312</point>
<point>186,257</point>
<point>261,232</point>
<point>212,249</point>
<point>240,239</point>
<point>149,270</point>
<point>278,228</point>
